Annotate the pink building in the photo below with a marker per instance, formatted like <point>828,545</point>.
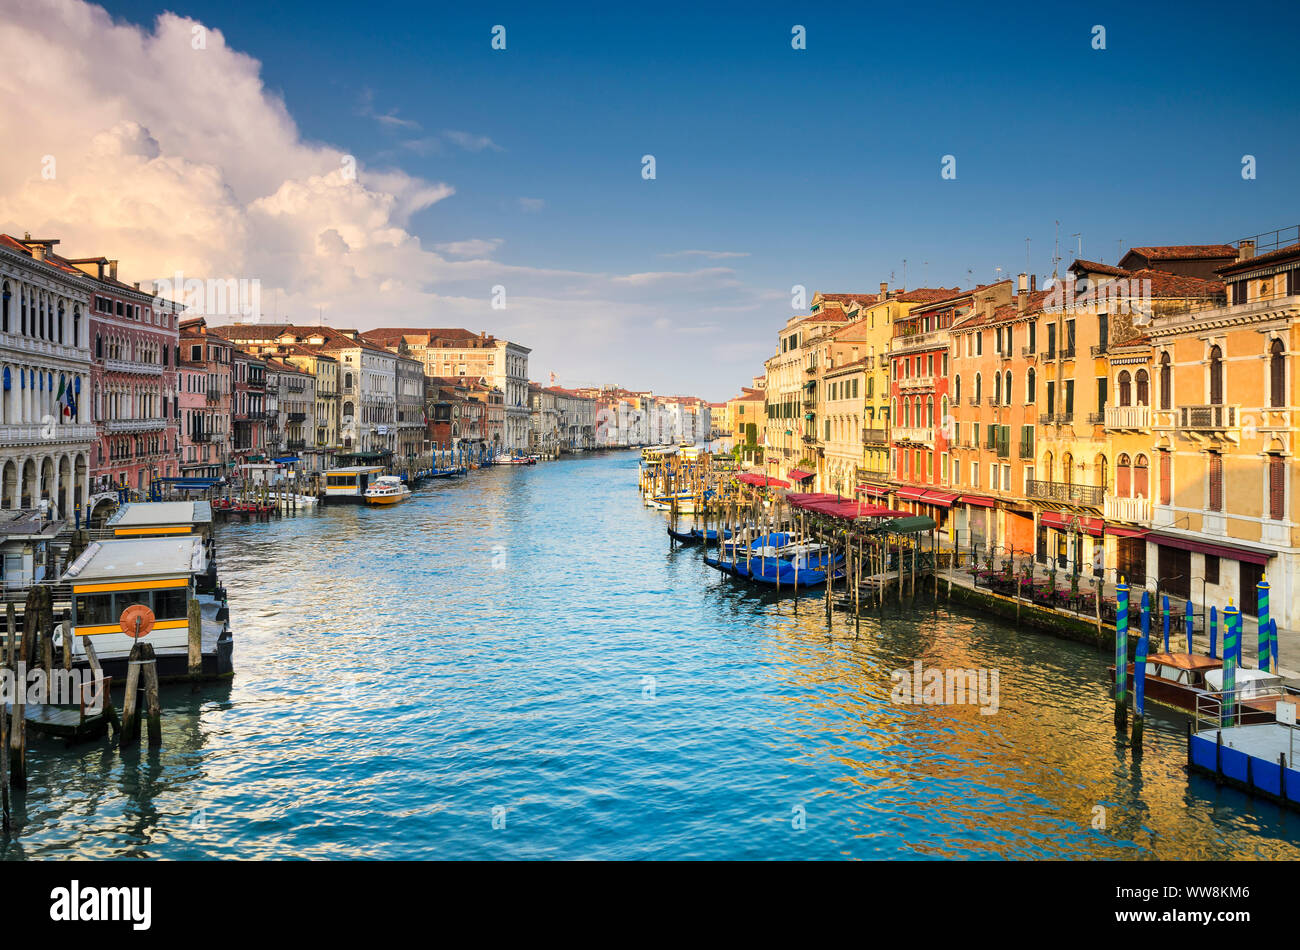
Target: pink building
<point>133,339</point>
<point>205,368</point>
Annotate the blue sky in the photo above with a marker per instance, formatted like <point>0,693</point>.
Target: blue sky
<point>818,167</point>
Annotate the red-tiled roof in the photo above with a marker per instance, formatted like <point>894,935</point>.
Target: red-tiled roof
<point>1183,252</point>
<point>1092,267</point>
<point>1272,257</point>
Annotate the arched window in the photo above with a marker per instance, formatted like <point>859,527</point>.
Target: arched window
<point>907,413</point>
<point>1143,388</point>
<point>929,410</point>
<point>5,296</point>
<point>1030,380</point>
<point>1216,376</point>
<point>1067,468</point>
<point>1099,471</point>
<point>1141,485</point>
<point>1166,382</point>
<point>347,380</point>
<point>997,388</point>
<point>1276,367</point>
<point>1123,477</point>
<point>1125,389</point>
<point>1047,467</point>
<point>1007,388</point>
<point>76,326</point>
<point>60,323</point>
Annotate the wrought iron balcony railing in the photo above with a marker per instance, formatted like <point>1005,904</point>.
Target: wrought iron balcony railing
<point>1089,496</point>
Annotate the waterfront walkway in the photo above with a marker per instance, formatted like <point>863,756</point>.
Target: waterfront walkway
<point>1288,640</point>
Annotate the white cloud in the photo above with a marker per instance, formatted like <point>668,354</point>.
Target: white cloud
<point>473,247</point>
<point>174,158</point>
<point>471,142</point>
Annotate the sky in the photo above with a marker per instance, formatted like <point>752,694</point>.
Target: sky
<point>381,164</point>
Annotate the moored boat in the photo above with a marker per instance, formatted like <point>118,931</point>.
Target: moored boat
<point>387,490</point>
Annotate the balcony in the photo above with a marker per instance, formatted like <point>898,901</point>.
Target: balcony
<point>810,369</point>
<point>213,396</point>
<point>875,436</point>
<point>296,445</point>
<point>1029,352</point>
<point>1128,418</point>
<point>1128,510</point>
<point>1046,419</point>
<point>868,362</point>
<point>1067,352</point>
<point>1208,423</point>
<point>28,344</point>
<point>916,382</point>
<point>1083,496</point>
<point>133,366</point>
<point>199,437</point>
<point>974,401</point>
<point>136,425</point>
<point>40,434</point>
<point>1096,418</point>
<point>297,418</point>
<point>1064,418</point>
<point>914,434</point>
<point>1100,349</point>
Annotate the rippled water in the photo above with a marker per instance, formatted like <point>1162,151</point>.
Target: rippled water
<point>485,651</point>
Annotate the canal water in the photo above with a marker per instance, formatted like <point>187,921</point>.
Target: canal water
<point>516,665</point>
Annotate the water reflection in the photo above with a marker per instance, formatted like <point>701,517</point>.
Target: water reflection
<point>523,644</point>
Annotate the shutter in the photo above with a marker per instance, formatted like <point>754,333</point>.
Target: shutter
<point>1165,477</point>
<point>1140,481</point>
<point>1277,488</point>
<point>1123,475</point>
<point>1216,483</point>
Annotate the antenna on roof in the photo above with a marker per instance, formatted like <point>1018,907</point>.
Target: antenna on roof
<point>1056,250</point>
<point>1079,235</point>
<point>905,273</point>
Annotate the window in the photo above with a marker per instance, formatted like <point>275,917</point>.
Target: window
<point>1277,488</point>
<point>5,297</point>
<point>1166,382</point>
<point>1123,476</point>
<point>1216,482</point>
<point>1102,383</point>
<point>1211,569</point>
<point>1143,388</point>
<point>977,387</point>
<point>957,387</point>
<point>1276,367</point>
<point>1125,389</point>
<point>1051,396</point>
<point>1007,388</point>
<point>1030,379</point>
<point>1140,477</point>
<point>1216,377</point>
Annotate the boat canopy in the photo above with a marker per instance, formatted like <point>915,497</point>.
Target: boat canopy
<point>765,481</point>
<point>913,525</point>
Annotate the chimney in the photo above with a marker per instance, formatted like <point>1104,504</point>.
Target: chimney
<point>38,251</point>
<point>884,290</point>
<point>112,270</point>
<point>1245,249</point>
<point>1033,282</point>
<point>1023,284</point>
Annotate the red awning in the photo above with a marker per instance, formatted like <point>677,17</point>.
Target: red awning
<point>753,478</point>
<point>911,494</point>
<point>876,491</point>
<point>1064,522</point>
<point>799,475</point>
<point>1121,532</point>
<point>940,498</point>
<point>1209,547</point>
<point>981,501</point>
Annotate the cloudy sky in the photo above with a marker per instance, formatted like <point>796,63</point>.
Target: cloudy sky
<point>382,164</point>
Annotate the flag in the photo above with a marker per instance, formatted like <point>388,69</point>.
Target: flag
<point>62,397</point>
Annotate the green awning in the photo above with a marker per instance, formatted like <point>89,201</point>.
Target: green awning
<point>913,525</point>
